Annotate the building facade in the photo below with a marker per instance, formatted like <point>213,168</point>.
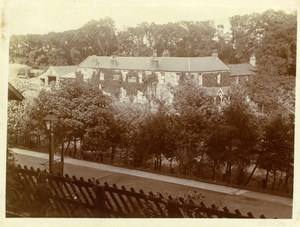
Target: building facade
<point>141,79</point>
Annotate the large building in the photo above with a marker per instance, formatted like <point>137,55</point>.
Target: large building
<point>139,79</point>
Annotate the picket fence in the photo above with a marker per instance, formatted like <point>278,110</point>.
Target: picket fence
<point>65,196</point>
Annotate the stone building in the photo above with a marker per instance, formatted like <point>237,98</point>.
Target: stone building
<point>141,79</point>
<point>144,77</point>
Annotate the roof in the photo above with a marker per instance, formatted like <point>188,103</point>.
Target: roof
<point>14,94</point>
<point>60,70</point>
<point>244,69</point>
<point>173,64</point>
<point>213,91</point>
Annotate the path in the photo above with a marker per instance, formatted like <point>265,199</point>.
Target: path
<point>164,178</point>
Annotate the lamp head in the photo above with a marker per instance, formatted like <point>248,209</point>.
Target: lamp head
<point>50,121</point>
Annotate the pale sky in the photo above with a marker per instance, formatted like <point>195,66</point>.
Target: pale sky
<point>43,16</point>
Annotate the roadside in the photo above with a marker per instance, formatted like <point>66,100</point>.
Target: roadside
<point>174,180</point>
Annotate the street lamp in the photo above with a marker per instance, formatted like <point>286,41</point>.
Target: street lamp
<point>50,121</point>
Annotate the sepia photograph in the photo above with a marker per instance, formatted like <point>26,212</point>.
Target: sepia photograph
<point>149,109</point>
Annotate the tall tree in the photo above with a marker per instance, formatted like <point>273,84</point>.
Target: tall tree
<point>193,111</point>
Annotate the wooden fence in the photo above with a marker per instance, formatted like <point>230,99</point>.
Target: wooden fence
<point>65,196</point>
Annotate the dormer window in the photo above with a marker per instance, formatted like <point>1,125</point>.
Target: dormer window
<point>219,78</point>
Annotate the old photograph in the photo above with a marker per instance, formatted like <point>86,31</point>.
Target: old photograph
<point>150,109</point>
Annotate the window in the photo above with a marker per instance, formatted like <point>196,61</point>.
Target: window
<point>247,78</point>
<point>162,78</point>
<point>132,79</point>
<point>101,76</point>
<point>124,75</point>
<point>116,77</point>
<point>140,77</point>
<point>237,80</point>
<point>219,78</point>
<point>201,79</point>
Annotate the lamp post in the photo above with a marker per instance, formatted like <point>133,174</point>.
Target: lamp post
<point>50,121</point>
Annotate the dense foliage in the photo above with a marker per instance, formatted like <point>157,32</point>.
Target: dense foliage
<point>271,36</point>
<point>194,135</point>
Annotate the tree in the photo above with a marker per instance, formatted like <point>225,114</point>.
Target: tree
<point>271,35</point>
<point>129,119</point>
<point>272,92</point>
<point>276,53</point>
<point>17,122</point>
<point>193,112</point>
<point>278,147</point>
<point>239,128</point>
<point>83,112</point>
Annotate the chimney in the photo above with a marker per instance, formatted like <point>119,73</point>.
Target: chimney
<point>215,53</point>
<point>253,60</point>
<point>113,61</point>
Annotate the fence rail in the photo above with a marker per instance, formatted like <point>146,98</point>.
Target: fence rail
<point>65,196</point>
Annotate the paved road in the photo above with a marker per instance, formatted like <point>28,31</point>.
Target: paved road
<point>175,180</point>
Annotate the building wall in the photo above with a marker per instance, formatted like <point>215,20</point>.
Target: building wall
<point>143,86</point>
<point>211,79</point>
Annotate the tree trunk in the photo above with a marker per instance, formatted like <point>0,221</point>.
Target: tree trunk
<point>75,147</point>
<point>39,142</point>
<point>62,158</point>
<point>171,167</point>
<point>112,157</point>
<point>287,176</point>
<point>62,147</point>
<point>66,151</point>
<point>101,156</point>
<point>266,180</point>
<point>280,181</point>
<point>274,179</point>
<point>160,163</point>
<point>214,171</point>
<point>228,173</point>
<point>249,178</point>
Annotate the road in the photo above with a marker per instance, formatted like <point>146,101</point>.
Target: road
<point>244,200</point>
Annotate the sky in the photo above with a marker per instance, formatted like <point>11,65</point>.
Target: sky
<point>44,16</point>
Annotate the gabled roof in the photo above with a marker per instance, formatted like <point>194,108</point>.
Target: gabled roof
<point>173,64</point>
<point>14,94</point>
<point>213,91</point>
<point>244,69</point>
<point>60,70</point>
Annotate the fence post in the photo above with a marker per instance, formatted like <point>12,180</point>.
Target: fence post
<point>100,209</point>
<point>173,210</point>
<point>42,195</point>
